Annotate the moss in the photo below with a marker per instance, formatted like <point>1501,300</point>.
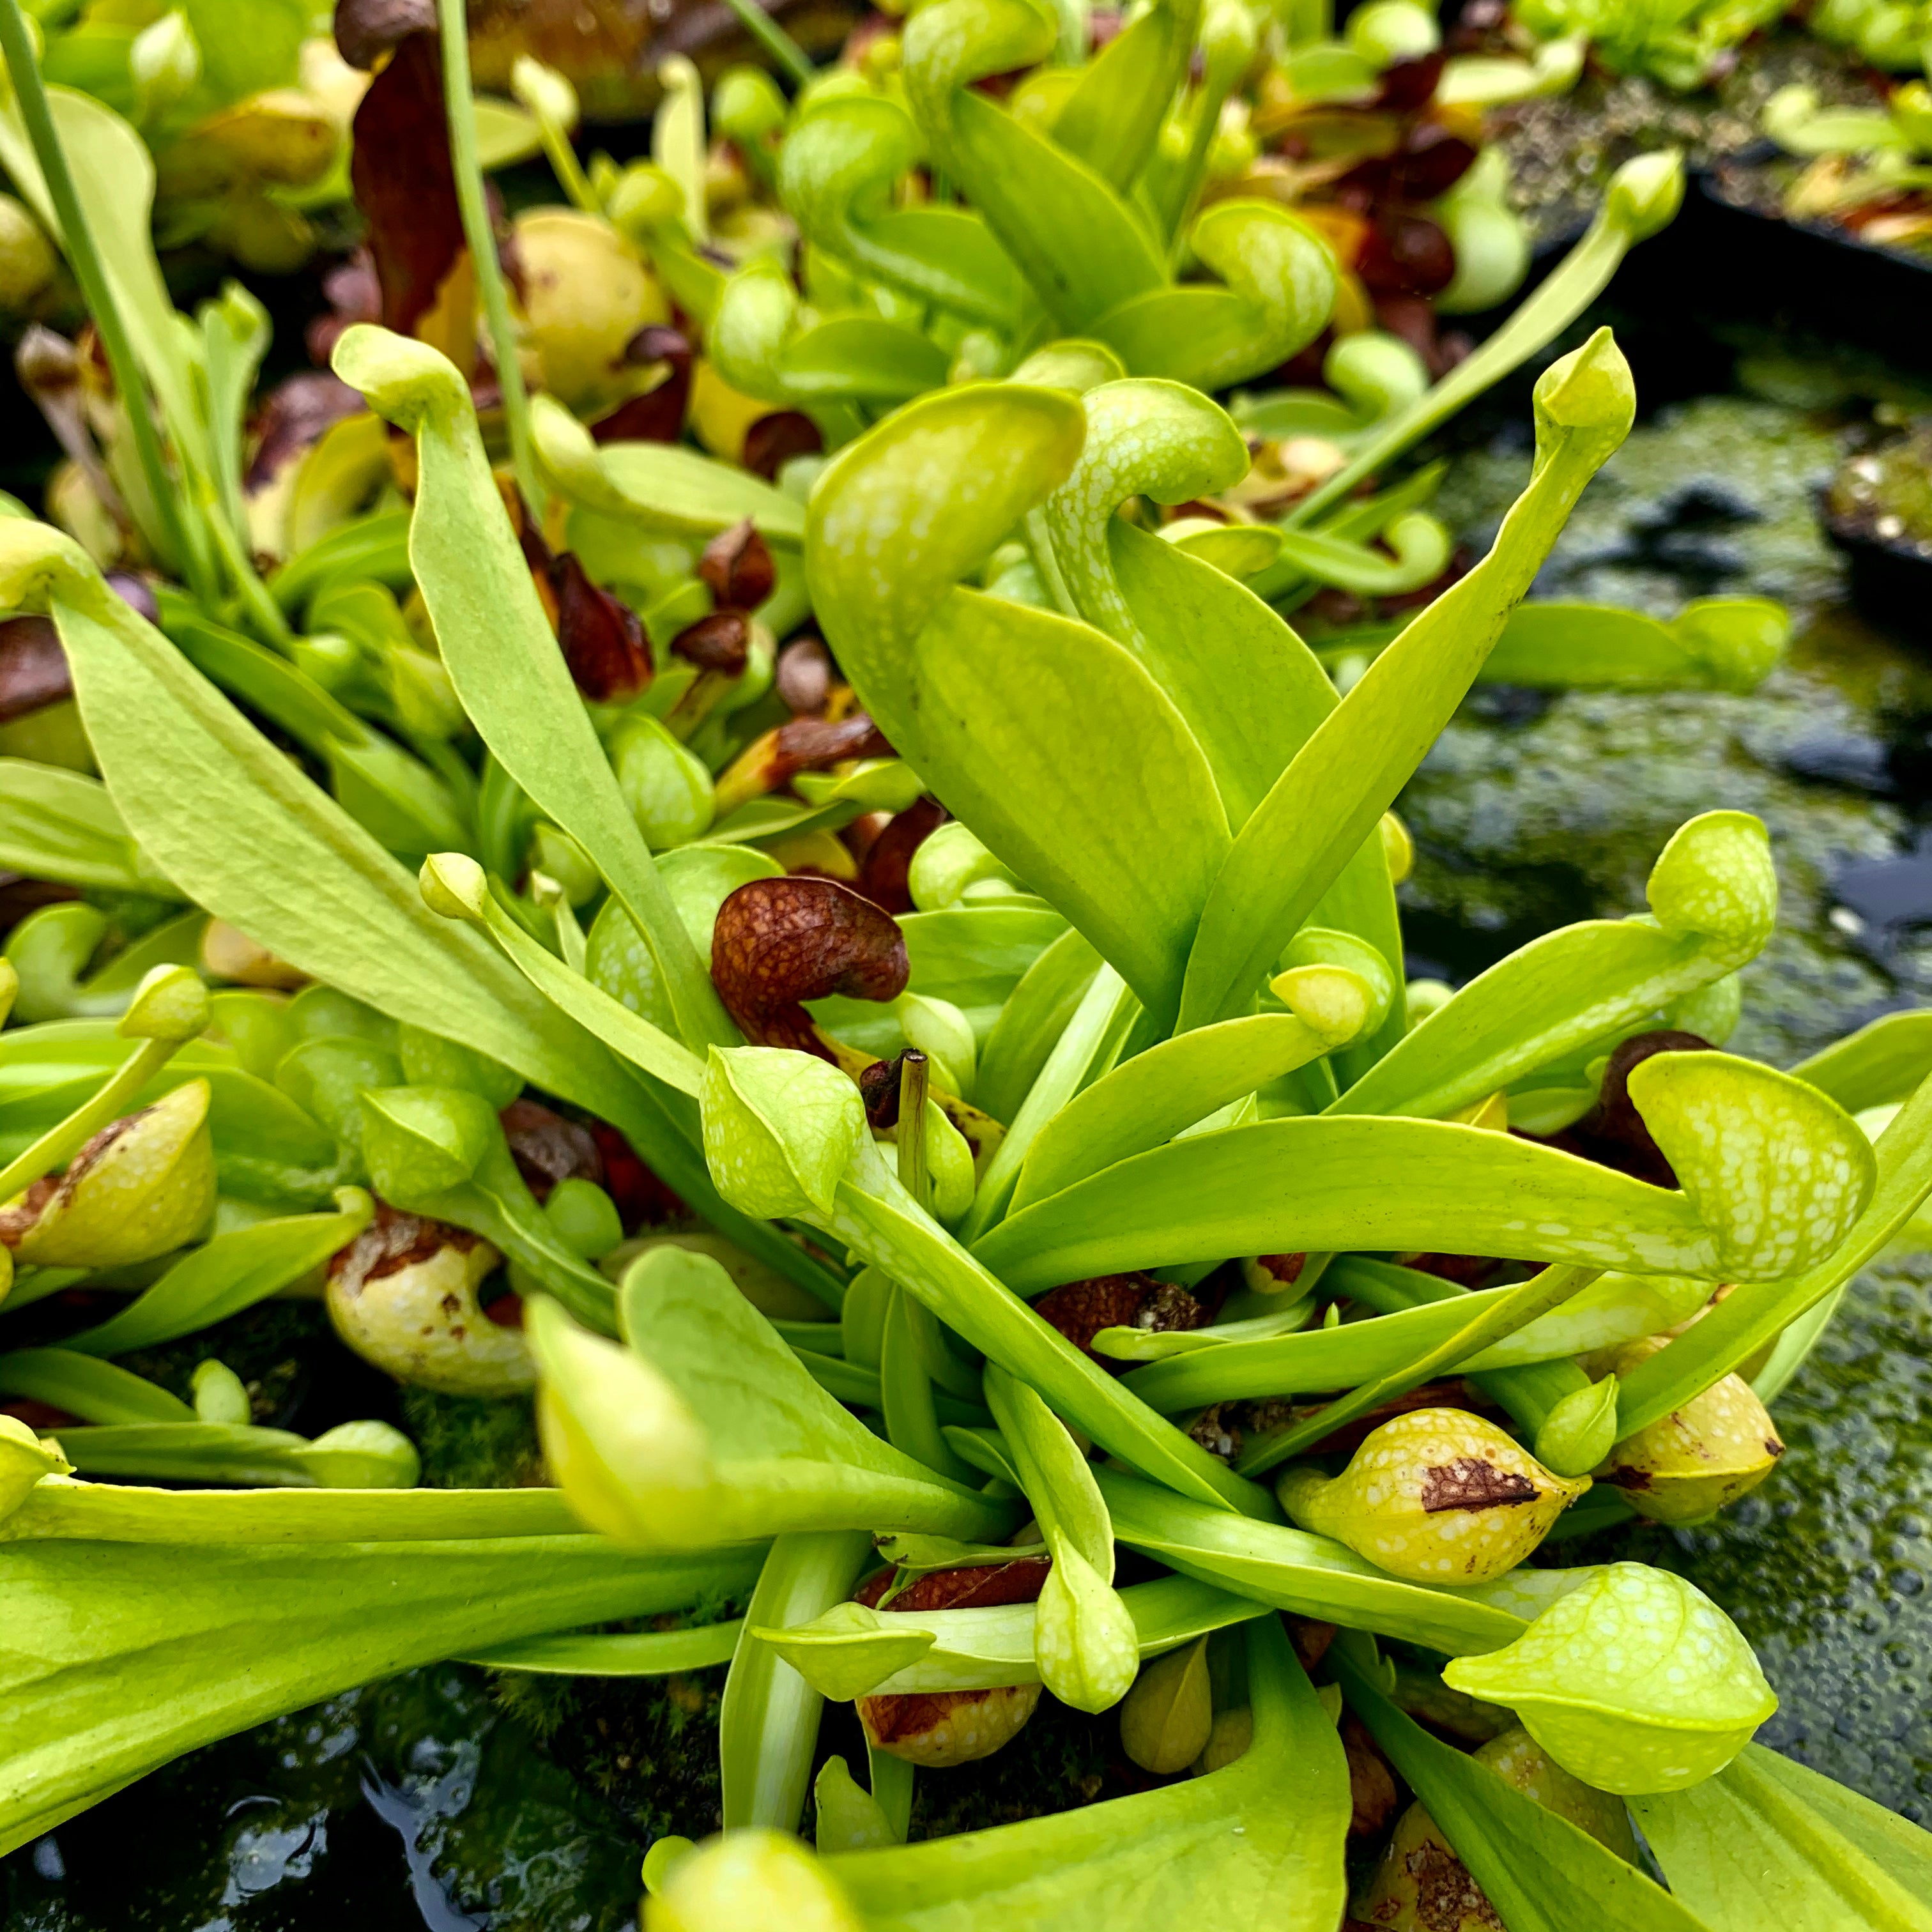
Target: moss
<point>468,1442</point>
<point>1531,811</point>
<point>1562,151</point>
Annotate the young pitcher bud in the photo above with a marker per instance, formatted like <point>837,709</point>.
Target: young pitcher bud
<point>141,1187</point>
<point>1438,1495</point>
<point>1718,1447</point>
<point>750,1881</point>
<point>24,1459</point>
<point>1168,1716</point>
<point>1421,1885</point>
<point>403,1295</point>
<point>1575,1435</point>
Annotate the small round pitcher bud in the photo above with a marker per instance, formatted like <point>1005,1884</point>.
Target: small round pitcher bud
<point>1437,1496</point>
<point>1718,1447</point>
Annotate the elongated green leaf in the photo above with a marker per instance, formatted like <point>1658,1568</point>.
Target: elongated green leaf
<point>121,1512</point>
<point>1297,1185</point>
<point>1882,1062</point>
<point>768,1723</point>
<point>876,1220</point>
<point>1327,801</point>
<point>225,815</point>
<point>232,1272</point>
<point>1113,115</point>
<point>95,1391</point>
<point>1032,1018</point>
<point>59,824</point>
<point>498,647</point>
<point>631,1654</point>
<point>121,1656</point>
<point>1766,1842</point>
<point>1262,1838</point>
<point>1540,1872</point>
<point>1152,1096</point>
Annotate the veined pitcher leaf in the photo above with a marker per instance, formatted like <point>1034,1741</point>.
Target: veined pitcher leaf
<point>994,703</point>
<point>1767,1842</point>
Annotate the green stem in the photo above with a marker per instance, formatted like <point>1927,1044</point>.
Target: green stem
<point>1505,1316</point>
<point>60,1143</point>
<point>915,1082</point>
<point>1569,289</point>
<point>773,38</point>
<point>77,241</point>
<point>460,108</point>
<point>891,1788</point>
<point>264,615</point>
<point>569,170</point>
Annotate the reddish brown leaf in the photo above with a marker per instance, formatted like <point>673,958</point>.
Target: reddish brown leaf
<point>547,1148</point>
<point>33,667</point>
<point>737,567</point>
<point>659,415</point>
<point>640,1198</point>
<point>404,183</point>
<point>972,1587</point>
<point>887,864</point>
<point>1080,1310</point>
<point>772,441</point>
<point>365,30</point>
<point>603,642</point>
<point>293,417</point>
<point>780,942</point>
<point>721,642</point>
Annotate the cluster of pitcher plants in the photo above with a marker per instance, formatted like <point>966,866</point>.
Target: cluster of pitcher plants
<point>741,839</point>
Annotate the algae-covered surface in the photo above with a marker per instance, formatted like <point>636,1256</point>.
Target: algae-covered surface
<point>451,1799</point>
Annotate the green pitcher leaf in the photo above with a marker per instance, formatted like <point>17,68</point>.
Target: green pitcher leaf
<point>1080,246</point>
<point>1714,896</point>
<point>706,1430</point>
<point>1540,1872</point>
<point>1327,801</point>
<point>989,700</point>
<point>1279,289</point>
<point>498,650</point>
<point>1635,1682</point>
<point>1767,1842</point>
<point>836,173</point>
